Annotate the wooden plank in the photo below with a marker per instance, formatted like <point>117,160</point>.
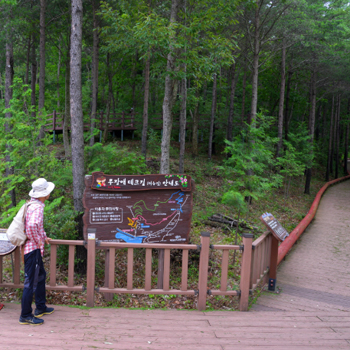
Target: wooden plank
<point>203,271</point>
<point>245,271</point>
<point>90,275</point>
<point>130,268</point>
<point>184,273</point>
<point>148,269</point>
<point>224,270</point>
<point>147,291</point>
<point>111,272</point>
<point>53,262</point>
<point>166,278</point>
<point>71,266</point>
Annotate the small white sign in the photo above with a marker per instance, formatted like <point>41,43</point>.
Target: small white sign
<point>91,235</point>
<point>3,237</point>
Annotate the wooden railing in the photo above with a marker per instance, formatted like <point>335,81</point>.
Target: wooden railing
<point>53,265</point>
<point>117,121</point>
<point>127,121</point>
<point>257,262</point>
<point>260,259</point>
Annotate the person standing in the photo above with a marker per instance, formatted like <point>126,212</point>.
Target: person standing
<point>35,275</point>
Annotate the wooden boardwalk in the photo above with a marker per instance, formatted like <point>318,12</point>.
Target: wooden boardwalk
<point>312,311</point>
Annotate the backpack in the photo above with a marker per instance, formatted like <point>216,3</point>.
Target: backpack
<point>16,232</point>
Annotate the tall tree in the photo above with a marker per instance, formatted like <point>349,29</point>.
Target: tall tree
<point>145,106</point>
<point>281,100</point>
<point>95,51</point>
<point>9,72</point>
<point>77,125</point>
<point>168,95</point>
<point>42,61</point>
<point>76,110</point>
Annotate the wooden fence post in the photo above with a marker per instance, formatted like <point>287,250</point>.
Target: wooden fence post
<point>203,271</point>
<point>273,264</point>
<point>90,275</point>
<point>246,270</point>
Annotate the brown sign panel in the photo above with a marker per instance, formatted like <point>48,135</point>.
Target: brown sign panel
<point>121,183</point>
<point>161,215</point>
<point>274,226</point>
<point>6,247</point>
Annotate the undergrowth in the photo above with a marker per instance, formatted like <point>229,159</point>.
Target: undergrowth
<point>209,189</point>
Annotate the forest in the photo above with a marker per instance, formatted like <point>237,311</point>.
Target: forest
<point>251,95</point>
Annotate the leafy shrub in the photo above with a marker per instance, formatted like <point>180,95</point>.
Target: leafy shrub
<point>113,159</point>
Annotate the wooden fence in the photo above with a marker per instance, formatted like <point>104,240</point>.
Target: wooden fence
<point>125,121</point>
<point>257,260</point>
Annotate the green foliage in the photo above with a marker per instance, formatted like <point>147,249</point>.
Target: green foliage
<point>251,164</point>
<point>59,223</point>
<point>236,200</point>
<point>153,141</point>
<point>113,159</point>
<point>23,152</point>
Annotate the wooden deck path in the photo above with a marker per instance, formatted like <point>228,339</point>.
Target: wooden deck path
<point>311,312</point>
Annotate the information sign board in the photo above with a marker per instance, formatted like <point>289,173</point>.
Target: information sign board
<point>6,247</point>
<point>274,226</point>
<point>138,209</point>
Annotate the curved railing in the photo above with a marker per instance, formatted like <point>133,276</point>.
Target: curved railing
<point>288,243</point>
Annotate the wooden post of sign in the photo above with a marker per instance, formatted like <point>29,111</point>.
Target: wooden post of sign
<point>273,264</point>
<point>160,268</point>
<point>246,270</point>
<point>90,275</point>
<point>203,271</point>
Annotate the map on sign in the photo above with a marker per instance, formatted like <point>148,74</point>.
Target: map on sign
<point>152,214</point>
<point>6,247</point>
<point>274,226</point>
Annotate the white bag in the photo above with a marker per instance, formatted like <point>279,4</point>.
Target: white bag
<point>16,232</point>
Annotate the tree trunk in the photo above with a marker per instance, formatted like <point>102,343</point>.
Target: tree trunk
<point>183,124</point>
<point>281,102</point>
<point>109,98</point>
<point>77,125</point>
<point>66,143</point>
<point>330,142</point>
<point>244,85</point>
<point>232,99</point>
<point>42,63</point>
<point>133,79</point>
<point>76,111</point>
<point>195,125</point>
<point>168,99</point>
<point>286,115</point>
<point>9,72</point>
<point>95,51</point>
<point>311,125</point>
<point>33,79</point>
<point>26,77</point>
<point>145,108</point>
<point>255,69</point>
<point>212,119</point>
<point>58,77</point>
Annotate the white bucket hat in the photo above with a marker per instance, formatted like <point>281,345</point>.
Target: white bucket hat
<point>41,188</point>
